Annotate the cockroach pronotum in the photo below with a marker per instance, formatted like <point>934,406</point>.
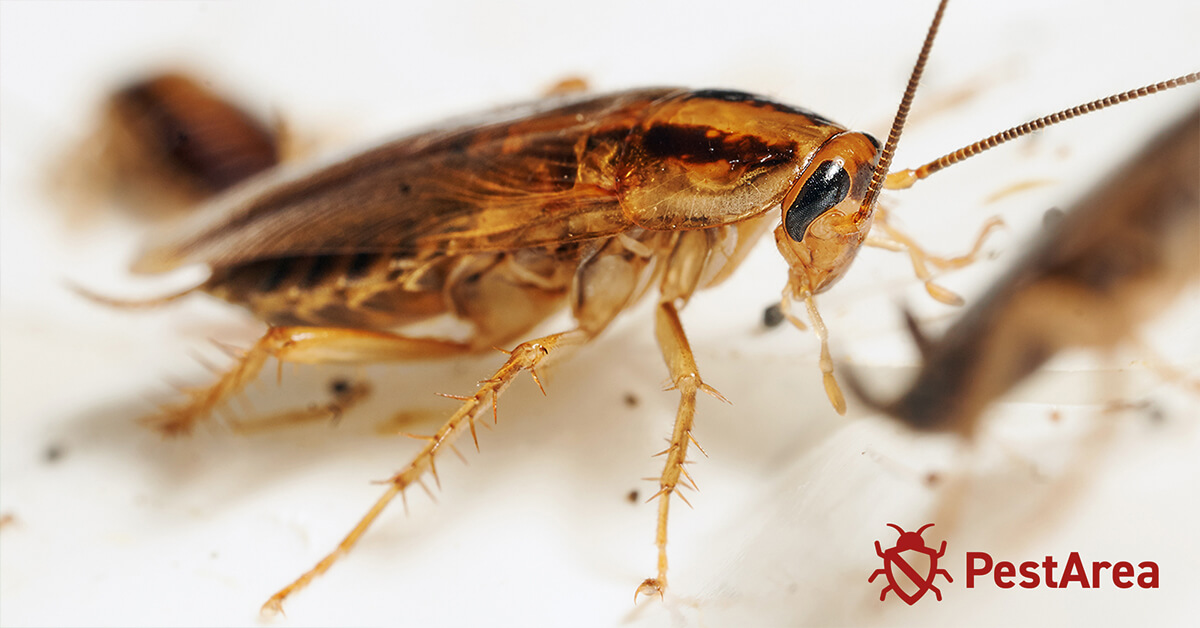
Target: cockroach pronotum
<point>588,202</point>
<point>1095,275</point>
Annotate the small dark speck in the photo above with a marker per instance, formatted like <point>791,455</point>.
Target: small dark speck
<point>213,555</point>
<point>631,400</point>
<point>339,386</point>
<point>933,478</point>
<point>772,316</point>
<point>405,188</point>
<point>53,453</point>
<point>632,496</point>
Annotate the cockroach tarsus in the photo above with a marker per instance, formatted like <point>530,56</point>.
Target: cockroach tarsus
<point>587,202</point>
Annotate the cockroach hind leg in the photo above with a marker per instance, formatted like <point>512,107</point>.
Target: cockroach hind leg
<point>523,358</point>
<point>310,345</point>
<point>342,399</point>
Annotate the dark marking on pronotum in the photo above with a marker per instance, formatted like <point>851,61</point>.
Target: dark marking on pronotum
<point>705,145</point>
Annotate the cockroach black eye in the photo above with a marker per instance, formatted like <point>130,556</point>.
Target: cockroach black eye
<point>827,186</point>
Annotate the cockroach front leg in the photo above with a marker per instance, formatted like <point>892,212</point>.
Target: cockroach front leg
<point>896,240</point>
<point>832,390</point>
<point>526,357</point>
<point>307,345</point>
<point>686,379</point>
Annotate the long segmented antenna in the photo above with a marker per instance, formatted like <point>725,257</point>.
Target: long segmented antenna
<point>906,178</point>
<point>889,149</point>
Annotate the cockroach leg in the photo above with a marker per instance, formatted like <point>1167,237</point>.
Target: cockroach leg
<point>832,390</point>
<point>685,378</point>
<point>300,345</point>
<point>567,85</point>
<point>526,357</point>
<point>896,240</point>
<point>344,396</point>
<point>1163,369</point>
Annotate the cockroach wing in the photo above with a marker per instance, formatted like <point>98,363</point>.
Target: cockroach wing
<point>531,176</point>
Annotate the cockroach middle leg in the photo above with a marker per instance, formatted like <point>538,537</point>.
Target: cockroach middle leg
<point>301,345</point>
<point>896,240</point>
<point>685,378</point>
<point>526,357</point>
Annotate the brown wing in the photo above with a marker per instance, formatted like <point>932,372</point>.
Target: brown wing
<point>539,176</point>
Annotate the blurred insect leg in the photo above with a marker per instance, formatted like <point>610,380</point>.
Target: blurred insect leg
<point>1163,369</point>
<point>344,395</point>
<point>896,240</point>
<point>526,357</point>
<point>306,345</point>
<point>567,85</point>
<point>686,379</point>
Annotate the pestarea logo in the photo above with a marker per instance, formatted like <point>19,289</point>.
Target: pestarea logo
<point>911,567</point>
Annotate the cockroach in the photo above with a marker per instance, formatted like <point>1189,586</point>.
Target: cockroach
<point>168,142</point>
<point>1095,274</point>
<point>588,202</point>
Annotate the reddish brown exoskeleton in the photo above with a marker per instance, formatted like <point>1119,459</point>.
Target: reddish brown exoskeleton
<point>169,142</point>
<point>587,203</point>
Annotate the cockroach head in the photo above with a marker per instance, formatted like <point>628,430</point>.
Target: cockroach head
<point>822,226</point>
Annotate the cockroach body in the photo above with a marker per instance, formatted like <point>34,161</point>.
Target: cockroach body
<point>168,142</point>
<point>588,203</point>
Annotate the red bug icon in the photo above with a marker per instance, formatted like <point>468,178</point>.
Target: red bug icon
<point>910,545</point>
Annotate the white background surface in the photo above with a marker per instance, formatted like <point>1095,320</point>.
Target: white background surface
<point>128,529</point>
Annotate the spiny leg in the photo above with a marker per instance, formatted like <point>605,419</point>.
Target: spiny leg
<point>686,379</point>
<point>526,357</point>
<point>308,345</point>
<point>896,240</point>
